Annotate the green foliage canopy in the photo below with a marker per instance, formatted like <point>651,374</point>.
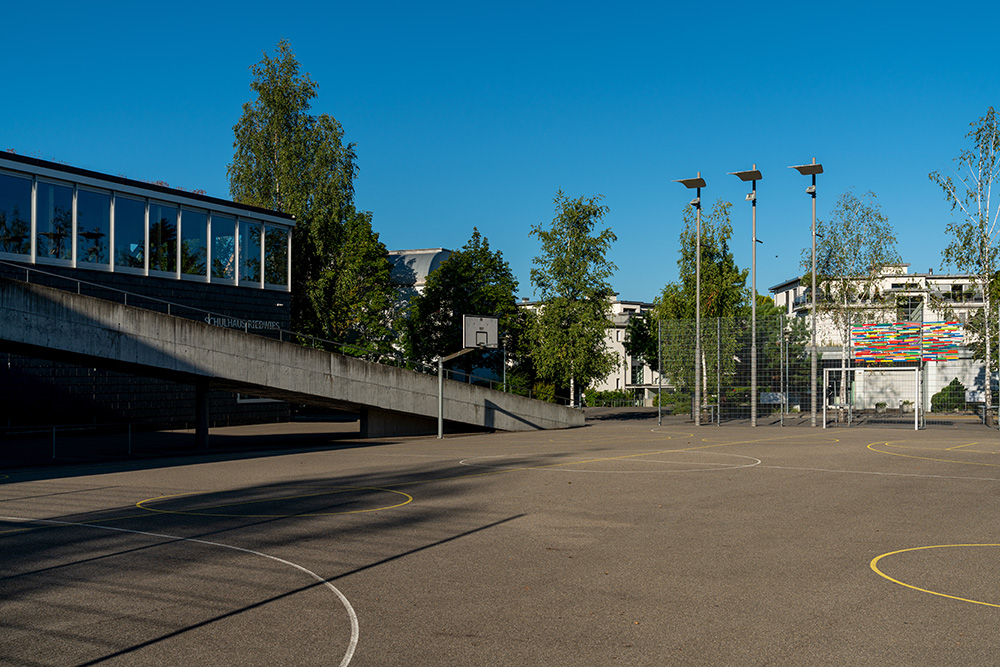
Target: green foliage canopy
<point>974,236</point>
<point>571,277</point>
<point>474,280</point>
<point>287,159</point>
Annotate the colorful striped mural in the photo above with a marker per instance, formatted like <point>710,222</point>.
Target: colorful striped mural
<point>906,341</point>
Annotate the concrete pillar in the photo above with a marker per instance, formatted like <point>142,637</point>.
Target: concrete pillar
<point>377,423</point>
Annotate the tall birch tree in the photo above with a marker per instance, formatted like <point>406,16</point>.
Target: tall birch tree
<point>974,234</point>
<point>853,250</point>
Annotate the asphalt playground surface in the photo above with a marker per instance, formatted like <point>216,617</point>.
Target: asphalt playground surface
<point>619,543</point>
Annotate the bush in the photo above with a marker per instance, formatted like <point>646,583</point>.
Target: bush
<point>950,398</point>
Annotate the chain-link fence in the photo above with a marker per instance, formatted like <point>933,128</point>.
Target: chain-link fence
<point>778,389</point>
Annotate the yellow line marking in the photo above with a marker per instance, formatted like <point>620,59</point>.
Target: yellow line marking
<point>925,458</point>
<point>141,504</point>
<point>874,566</point>
<point>948,449</point>
<point>200,512</point>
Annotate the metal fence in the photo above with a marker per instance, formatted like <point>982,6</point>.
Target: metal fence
<point>778,391</point>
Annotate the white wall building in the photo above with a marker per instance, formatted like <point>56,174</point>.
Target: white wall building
<point>631,374</point>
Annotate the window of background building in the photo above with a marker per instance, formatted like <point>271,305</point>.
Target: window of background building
<point>93,226</point>
<point>637,370</point>
<point>194,243</point>
<point>223,248</point>
<point>162,237</point>
<point>276,256</point>
<point>130,233</point>
<point>15,215</point>
<point>250,252</point>
<point>54,222</point>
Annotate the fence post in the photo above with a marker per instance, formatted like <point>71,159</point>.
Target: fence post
<point>718,371</point>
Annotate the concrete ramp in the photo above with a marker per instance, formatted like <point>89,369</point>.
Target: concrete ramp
<point>48,323</point>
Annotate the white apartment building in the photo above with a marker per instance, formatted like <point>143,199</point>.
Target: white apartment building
<point>631,374</point>
<point>907,297</point>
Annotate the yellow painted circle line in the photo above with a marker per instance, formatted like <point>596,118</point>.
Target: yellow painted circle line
<point>889,443</point>
<point>200,512</point>
<point>874,566</point>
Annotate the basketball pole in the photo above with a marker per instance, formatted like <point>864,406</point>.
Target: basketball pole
<point>440,361</point>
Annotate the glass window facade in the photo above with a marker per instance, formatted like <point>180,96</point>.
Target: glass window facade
<point>55,214</point>
<point>130,233</point>
<point>93,226</point>
<point>194,243</point>
<point>223,248</point>
<point>15,214</point>
<point>54,222</point>
<point>250,252</point>
<point>162,237</point>
<point>276,256</point>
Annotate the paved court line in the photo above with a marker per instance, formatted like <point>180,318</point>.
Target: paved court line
<point>885,474</point>
<point>925,458</point>
<point>352,644</point>
<point>874,566</point>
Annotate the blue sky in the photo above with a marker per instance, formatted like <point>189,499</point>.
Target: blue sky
<point>475,114</point>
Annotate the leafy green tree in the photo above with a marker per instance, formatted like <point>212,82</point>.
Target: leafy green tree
<point>724,292</point>
<point>852,251</point>
<point>974,236</point>
<point>641,337</point>
<point>571,277</point>
<point>474,280</point>
<point>724,295</point>
<point>287,159</point>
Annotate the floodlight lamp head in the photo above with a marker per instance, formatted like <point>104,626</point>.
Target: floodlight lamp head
<point>811,190</point>
<point>748,175</point>
<point>698,182</point>
<point>752,196</point>
<point>696,202</point>
<point>808,169</point>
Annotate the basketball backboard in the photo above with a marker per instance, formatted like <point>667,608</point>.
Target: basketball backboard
<point>479,331</point>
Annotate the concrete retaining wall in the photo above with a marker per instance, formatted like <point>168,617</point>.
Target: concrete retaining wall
<point>54,324</point>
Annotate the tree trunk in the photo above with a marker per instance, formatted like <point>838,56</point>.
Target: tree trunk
<point>989,355</point>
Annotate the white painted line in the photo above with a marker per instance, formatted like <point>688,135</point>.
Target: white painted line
<point>352,644</point>
<point>884,474</point>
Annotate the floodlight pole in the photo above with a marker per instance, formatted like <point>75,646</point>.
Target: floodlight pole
<point>697,183</point>
<point>812,170</point>
<point>697,313</point>
<point>753,176</point>
<point>659,372</point>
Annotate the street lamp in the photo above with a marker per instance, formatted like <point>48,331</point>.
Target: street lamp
<point>696,183</point>
<point>812,170</point>
<point>752,175</point>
